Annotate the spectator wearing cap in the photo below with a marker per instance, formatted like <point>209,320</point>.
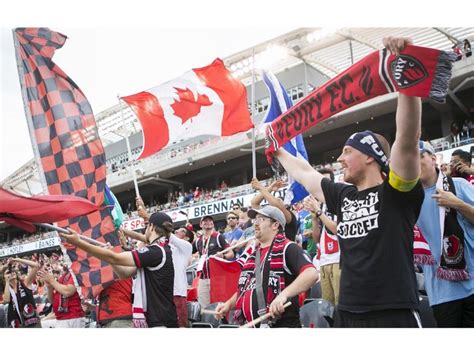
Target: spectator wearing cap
<point>210,243</point>
<point>153,265</point>
<point>447,224</point>
<point>274,272</point>
<point>265,193</point>
<point>181,250</point>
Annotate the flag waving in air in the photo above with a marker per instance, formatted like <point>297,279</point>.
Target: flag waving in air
<point>69,153</point>
<point>280,103</point>
<point>203,101</point>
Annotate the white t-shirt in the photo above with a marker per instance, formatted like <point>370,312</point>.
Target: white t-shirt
<point>181,251</point>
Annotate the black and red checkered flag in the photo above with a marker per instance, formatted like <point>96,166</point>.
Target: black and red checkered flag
<point>67,146</point>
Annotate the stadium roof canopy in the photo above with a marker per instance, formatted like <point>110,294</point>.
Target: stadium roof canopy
<point>328,50</point>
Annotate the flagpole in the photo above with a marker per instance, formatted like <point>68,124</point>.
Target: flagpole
<point>252,106</point>
<point>137,192</point>
<point>31,129</point>
<point>62,230</point>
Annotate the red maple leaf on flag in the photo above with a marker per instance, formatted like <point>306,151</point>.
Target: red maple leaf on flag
<point>188,106</point>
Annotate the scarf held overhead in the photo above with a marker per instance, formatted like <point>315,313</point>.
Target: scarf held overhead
<point>417,71</point>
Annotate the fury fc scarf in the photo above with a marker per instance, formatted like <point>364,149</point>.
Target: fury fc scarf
<point>417,71</point>
<point>452,264</point>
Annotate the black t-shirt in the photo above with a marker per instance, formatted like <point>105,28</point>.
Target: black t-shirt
<point>291,228</point>
<point>26,305</point>
<point>157,263</point>
<point>217,243</point>
<point>375,232</point>
<point>294,262</point>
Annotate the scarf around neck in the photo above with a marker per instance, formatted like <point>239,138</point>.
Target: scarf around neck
<point>273,263</point>
<point>452,263</point>
<point>452,266</point>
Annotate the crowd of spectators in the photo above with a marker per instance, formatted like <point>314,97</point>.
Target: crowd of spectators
<point>462,50</point>
<point>24,239</point>
<point>119,164</point>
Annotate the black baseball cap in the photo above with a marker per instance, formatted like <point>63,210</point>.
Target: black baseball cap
<point>158,218</point>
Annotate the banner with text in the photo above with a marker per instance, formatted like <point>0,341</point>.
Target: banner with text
<point>27,247</point>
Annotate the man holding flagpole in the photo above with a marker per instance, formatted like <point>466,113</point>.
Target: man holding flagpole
<point>274,271</point>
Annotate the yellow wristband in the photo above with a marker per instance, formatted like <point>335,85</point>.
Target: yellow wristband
<point>400,184</point>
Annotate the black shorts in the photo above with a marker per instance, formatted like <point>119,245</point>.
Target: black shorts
<point>455,314</point>
<point>387,318</point>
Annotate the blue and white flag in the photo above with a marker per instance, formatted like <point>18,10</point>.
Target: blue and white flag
<point>280,103</point>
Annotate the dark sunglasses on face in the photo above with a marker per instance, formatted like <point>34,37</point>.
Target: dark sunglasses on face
<point>231,218</point>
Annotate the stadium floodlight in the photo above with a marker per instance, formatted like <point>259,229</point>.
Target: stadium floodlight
<point>270,56</point>
<point>309,37</point>
<point>233,67</point>
<point>240,65</point>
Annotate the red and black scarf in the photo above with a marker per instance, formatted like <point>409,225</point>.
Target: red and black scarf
<point>453,263</point>
<point>417,71</point>
<point>274,264</point>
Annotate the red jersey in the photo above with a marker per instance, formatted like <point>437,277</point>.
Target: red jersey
<point>115,302</point>
<point>67,307</point>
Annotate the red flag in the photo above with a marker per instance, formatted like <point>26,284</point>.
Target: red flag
<point>205,100</point>
<point>22,211</point>
<point>70,153</point>
<point>224,278</point>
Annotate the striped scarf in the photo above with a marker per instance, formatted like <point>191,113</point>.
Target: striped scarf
<point>274,265</point>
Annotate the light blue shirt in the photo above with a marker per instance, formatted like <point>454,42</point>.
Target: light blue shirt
<point>233,235</point>
<point>439,290</point>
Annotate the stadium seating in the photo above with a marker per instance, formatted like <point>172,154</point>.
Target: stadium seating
<point>316,291</point>
<point>3,316</point>
<point>426,313</point>
<point>318,313</point>
<point>228,326</point>
<point>420,281</point>
<point>194,312</point>
<point>209,318</point>
<point>201,325</point>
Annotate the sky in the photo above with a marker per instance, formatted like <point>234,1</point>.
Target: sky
<point>124,47</point>
<point>108,62</point>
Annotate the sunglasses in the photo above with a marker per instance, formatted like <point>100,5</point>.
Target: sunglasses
<point>236,208</point>
<point>231,218</point>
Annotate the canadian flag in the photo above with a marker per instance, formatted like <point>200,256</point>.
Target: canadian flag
<point>205,100</point>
